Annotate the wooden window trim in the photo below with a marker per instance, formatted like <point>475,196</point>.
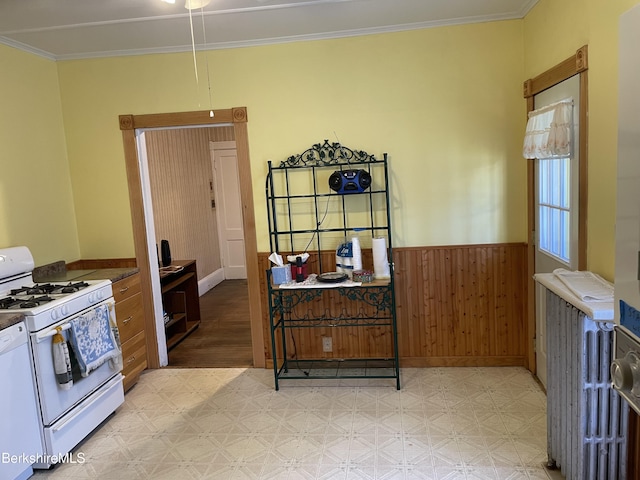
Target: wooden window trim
<point>574,65</point>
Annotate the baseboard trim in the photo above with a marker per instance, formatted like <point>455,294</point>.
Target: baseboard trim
<point>210,281</point>
<point>479,361</point>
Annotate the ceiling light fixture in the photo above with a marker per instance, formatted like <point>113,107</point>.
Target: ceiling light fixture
<point>193,4</point>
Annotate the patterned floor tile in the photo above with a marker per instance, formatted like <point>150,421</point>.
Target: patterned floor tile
<point>444,424</point>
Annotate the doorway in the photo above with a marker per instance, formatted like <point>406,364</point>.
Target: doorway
<point>224,165</point>
<point>576,65</point>
<point>196,202</point>
<point>557,203</point>
<point>146,256</point>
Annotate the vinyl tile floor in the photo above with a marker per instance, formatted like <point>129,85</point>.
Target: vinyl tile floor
<point>230,423</point>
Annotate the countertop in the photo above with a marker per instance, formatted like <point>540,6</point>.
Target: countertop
<point>57,274</point>
<point>596,310</point>
<point>8,319</point>
<point>113,274</point>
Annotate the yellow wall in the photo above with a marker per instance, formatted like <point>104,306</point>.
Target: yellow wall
<point>36,202</point>
<point>553,31</point>
<point>445,103</point>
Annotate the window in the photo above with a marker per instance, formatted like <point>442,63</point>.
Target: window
<point>554,206</point>
<point>549,140</point>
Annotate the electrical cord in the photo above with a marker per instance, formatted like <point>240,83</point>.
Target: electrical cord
<point>324,216</point>
<point>295,354</point>
<point>293,338</point>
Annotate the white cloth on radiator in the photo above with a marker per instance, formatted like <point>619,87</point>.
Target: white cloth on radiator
<point>586,286</point>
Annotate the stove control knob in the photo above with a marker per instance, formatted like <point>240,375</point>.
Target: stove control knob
<point>625,373</point>
<point>54,314</point>
<point>64,310</point>
<point>621,375</point>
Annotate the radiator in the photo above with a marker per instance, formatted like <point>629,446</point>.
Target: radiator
<point>586,418</point>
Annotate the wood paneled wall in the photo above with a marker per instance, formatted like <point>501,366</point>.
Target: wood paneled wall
<point>456,306</point>
<point>221,134</point>
<point>181,181</point>
<point>633,446</point>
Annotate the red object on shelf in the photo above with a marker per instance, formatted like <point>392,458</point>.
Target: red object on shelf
<point>299,270</point>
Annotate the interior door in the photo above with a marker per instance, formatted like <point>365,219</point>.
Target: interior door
<point>229,209</point>
<point>557,183</point>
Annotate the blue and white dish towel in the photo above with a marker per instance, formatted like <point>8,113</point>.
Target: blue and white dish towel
<point>95,339</point>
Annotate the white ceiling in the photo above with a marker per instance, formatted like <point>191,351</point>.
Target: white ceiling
<point>67,29</point>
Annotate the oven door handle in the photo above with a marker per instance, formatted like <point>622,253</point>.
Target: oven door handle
<point>65,324</point>
<point>50,333</point>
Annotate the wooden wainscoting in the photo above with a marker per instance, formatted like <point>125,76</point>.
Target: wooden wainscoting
<point>456,306</point>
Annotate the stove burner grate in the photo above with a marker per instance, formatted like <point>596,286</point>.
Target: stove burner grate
<point>35,301</point>
<point>74,287</point>
<point>34,290</point>
<point>49,288</point>
<point>9,303</point>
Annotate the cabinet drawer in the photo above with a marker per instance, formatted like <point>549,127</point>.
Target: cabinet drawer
<point>127,287</point>
<point>134,355</point>
<point>129,317</point>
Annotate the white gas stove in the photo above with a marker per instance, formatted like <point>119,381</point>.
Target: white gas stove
<point>46,303</point>
<point>67,415</point>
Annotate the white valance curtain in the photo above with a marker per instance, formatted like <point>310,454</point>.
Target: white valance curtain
<point>549,130</point>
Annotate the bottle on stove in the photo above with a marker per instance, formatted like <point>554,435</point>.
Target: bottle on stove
<point>62,361</point>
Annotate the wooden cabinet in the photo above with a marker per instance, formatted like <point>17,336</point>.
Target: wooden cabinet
<point>130,318</point>
<point>180,300</point>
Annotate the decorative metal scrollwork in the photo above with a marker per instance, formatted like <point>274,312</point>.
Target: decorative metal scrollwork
<point>322,154</point>
<point>310,319</point>
<point>376,297</point>
<point>286,301</point>
<point>380,298</point>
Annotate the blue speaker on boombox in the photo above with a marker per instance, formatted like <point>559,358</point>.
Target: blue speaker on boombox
<point>349,181</point>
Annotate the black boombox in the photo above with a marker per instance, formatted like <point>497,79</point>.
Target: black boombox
<point>349,181</point>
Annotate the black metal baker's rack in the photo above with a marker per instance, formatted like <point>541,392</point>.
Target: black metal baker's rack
<point>305,215</point>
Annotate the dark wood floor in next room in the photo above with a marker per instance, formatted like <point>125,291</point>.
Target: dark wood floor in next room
<point>223,338</point>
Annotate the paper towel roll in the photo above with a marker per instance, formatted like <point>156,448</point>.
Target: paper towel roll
<point>380,260</point>
<point>357,253</point>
